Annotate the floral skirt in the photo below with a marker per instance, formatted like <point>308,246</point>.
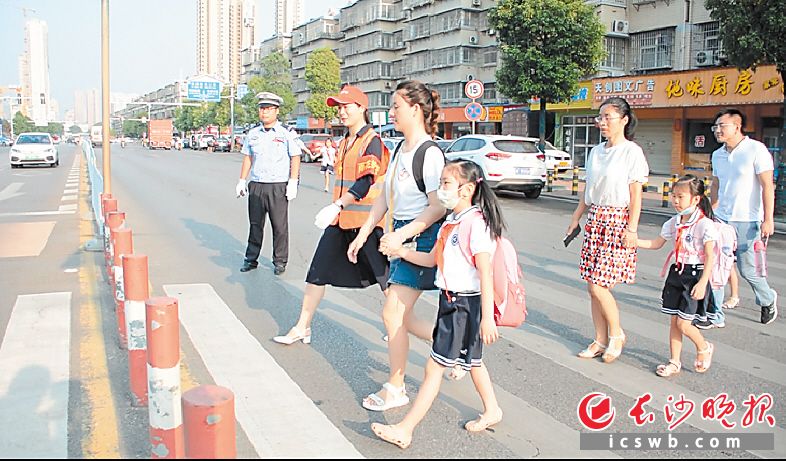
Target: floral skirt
<point>605,261</point>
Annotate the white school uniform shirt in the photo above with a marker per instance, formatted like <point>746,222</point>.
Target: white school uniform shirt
<point>610,171</point>
<point>459,275</point>
<point>328,156</point>
<point>739,189</point>
<point>697,231</point>
<point>409,201</point>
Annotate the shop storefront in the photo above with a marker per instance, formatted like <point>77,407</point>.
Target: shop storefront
<point>675,111</point>
<point>452,123</point>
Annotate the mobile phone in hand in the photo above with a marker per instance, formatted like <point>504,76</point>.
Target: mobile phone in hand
<point>569,238</point>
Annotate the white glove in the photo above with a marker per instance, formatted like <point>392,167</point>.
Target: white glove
<point>291,189</point>
<point>327,215</point>
<point>241,189</point>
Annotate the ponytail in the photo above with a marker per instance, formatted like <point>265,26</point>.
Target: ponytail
<point>697,188</point>
<point>484,197</point>
<point>415,92</point>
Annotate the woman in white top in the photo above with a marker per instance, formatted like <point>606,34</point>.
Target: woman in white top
<point>328,160</point>
<point>414,216</point>
<point>616,170</point>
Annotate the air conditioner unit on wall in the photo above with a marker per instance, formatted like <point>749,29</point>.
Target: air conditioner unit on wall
<point>473,39</point>
<point>618,26</point>
<point>475,2</point>
<point>704,58</point>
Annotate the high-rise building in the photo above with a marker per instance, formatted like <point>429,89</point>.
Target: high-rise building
<point>289,14</point>
<point>220,33</point>
<point>87,106</point>
<point>34,72</point>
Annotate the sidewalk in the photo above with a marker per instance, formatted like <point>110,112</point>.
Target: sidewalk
<point>651,200</point>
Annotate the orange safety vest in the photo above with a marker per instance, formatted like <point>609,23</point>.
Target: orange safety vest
<point>351,164</point>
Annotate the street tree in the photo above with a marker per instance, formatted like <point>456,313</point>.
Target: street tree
<point>133,128</point>
<point>74,129</point>
<point>22,123</point>
<point>275,76</point>
<point>752,33</point>
<point>323,79</point>
<point>547,47</point>
<point>184,119</point>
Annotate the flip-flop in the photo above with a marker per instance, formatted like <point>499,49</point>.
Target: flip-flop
<point>391,434</point>
<point>397,397</point>
<point>480,424</point>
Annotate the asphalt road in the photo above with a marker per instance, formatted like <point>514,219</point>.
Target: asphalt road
<point>184,215</point>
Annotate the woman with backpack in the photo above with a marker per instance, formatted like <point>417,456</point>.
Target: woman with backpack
<point>616,169</point>
<point>360,168</point>
<point>465,321</point>
<point>414,215</point>
<point>687,295</point>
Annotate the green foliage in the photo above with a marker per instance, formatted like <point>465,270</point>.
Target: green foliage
<point>276,77</point>
<point>323,79</point>
<point>74,129</point>
<point>547,47</point>
<point>133,128</point>
<point>22,124</point>
<point>752,31</point>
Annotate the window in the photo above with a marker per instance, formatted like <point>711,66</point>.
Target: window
<point>459,145</point>
<point>418,28</point>
<point>490,56</point>
<point>615,53</point>
<point>655,49</point>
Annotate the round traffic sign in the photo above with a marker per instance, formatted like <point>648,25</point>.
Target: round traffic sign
<point>473,111</point>
<point>474,89</point>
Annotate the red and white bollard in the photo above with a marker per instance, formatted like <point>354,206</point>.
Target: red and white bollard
<point>114,220</point>
<point>163,378</point>
<point>209,418</point>
<point>136,293</point>
<point>108,205</point>
<point>123,245</point>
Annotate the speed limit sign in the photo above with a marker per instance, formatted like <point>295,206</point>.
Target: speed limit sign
<point>474,89</point>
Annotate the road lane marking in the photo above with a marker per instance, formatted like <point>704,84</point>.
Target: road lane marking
<point>278,418</point>
<point>25,238</point>
<point>34,359</point>
<point>68,198</point>
<point>10,191</point>
<point>100,438</point>
<point>70,207</point>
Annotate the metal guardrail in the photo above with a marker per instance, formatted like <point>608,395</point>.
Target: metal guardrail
<point>96,184</point>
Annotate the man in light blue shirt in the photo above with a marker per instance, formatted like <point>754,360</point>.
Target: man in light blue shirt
<point>272,157</point>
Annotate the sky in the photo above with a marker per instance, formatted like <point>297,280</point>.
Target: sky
<point>151,42</point>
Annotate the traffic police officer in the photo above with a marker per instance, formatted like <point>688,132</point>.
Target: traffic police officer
<point>272,156</point>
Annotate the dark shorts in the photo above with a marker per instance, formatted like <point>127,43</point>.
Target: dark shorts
<point>330,265</point>
<point>326,168</point>
<point>411,275</point>
<point>457,332</point>
<point>676,294</point>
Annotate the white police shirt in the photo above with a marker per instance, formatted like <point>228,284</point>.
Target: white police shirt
<point>270,151</point>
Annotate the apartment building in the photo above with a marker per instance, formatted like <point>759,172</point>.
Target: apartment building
<point>149,105</point>
<point>317,33</point>
<point>666,59</point>
<point>251,57</point>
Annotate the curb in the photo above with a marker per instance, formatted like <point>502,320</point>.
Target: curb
<point>780,227</point>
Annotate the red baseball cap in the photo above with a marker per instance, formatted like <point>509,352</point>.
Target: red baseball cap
<point>347,95</point>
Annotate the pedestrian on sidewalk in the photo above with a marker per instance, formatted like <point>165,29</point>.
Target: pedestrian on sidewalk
<point>743,195</point>
<point>414,215</point>
<point>328,152</point>
<point>362,162</point>
<point>687,296</point>
<point>271,155</point>
<point>615,171</point>
<point>465,321</point>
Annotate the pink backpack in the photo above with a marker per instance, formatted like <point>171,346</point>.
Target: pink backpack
<point>724,255</point>
<point>510,307</point>
<point>725,247</point>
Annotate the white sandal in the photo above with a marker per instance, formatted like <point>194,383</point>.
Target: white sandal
<point>730,303</point>
<point>397,397</point>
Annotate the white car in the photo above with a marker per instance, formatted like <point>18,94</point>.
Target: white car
<point>34,148</point>
<point>391,143</point>
<point>555,157</point>
<point>508,162</point>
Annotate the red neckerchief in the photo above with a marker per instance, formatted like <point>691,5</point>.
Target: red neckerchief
<point>698,214</point>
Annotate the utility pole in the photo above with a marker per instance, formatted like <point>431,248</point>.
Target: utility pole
<point>106,147</point>
<point>231,116</point>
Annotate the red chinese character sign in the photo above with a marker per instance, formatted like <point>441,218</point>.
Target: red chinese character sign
<point>699,141</point>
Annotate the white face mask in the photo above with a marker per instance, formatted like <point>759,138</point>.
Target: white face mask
<point>687,211</point>
<point>448,198</point>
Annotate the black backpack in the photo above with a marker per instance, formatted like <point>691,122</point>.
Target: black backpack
<point>418,161</point>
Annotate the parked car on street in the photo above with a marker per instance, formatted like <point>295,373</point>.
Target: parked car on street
<point>444,144</point>
<point>5,141</point>
<point>34,148</point>
<point>391,143</point>
<point>555,157</point>
<point>508,162</point>
<point>314,144</point>
<point>222,144</point>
